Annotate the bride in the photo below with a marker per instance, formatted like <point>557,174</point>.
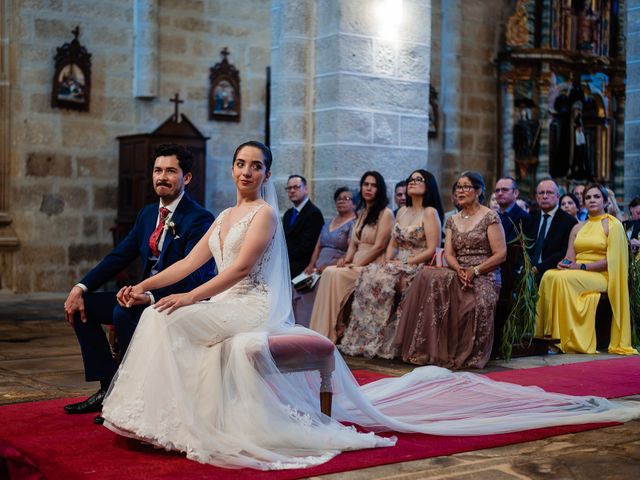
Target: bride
<point>198,376</point>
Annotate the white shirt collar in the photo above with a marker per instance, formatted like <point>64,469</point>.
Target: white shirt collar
<point>302,204</point>
<point>550,213</point>
<point>172,206</point>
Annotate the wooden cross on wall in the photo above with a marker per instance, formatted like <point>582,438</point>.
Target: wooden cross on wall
<point>176,101</point>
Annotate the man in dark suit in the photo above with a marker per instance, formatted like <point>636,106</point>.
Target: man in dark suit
<point>511,215</point>
<point>632,226</point>
<point>162,234</point>
<point>302,224</point>
<point>550,229</point>
<point>513,219</point>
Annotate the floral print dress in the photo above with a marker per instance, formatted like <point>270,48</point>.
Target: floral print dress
<point>379,289</point>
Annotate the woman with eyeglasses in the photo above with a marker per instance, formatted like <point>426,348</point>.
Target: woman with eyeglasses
<point>367,244</point>
<point>331,246</point>
<point>447,314</point>
<point>380,286</point>
<point>596,261</point>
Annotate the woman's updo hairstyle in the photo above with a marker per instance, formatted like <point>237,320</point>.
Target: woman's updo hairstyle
<point>476,180</point>
<point>266,153</point>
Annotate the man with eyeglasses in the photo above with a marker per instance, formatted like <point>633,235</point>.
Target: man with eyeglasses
<point>511,215</point>
<point>550,229</point>
<point>302,224</point>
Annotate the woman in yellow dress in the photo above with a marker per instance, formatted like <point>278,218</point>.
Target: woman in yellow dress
<point>596,261</point>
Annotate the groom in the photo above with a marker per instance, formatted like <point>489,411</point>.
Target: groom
<point>163,233</point>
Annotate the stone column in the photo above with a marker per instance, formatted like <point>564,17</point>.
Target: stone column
<point>145,48</point>
<point>8,239</point>
<point>632,117</point>
<point>451,89</point>
<point>292,89</point>
<point>508,158</point>
<point>350,93</point>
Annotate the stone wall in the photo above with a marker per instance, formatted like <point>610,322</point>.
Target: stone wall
<point>468,138</point>
<point>357,97</point>
<point>632,110</point>
<point>63,165</point>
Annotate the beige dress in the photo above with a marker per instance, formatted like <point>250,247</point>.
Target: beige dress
<point>337,284</point>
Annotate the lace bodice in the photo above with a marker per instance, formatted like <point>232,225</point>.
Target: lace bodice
<point>255,281</point>
<point>410,239</point>
<point>472,247</point>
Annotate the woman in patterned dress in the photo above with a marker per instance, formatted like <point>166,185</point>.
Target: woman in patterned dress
<point>379,289</point>
<point>447,313</point>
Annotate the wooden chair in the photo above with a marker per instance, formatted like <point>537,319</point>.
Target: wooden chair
<point>300,353</point>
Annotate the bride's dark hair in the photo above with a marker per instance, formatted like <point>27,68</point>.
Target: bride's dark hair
<point>266,153</point>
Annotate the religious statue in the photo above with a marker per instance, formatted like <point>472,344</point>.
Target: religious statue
<point>517,32</point>
<point>526,133</point>
<point>587,29</point>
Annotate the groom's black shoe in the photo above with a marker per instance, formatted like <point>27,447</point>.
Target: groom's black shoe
<point>91,404</point>
<point>98,420</point>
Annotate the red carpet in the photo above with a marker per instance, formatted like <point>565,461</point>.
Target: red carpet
<point>71,447</point>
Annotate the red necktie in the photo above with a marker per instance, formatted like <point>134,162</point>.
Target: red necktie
<point>155,236</point>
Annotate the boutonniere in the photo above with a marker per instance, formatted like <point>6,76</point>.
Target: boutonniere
<point>171,225</point>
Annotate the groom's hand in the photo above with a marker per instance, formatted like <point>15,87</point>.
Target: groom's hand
<point>132,295</point>
<point>73,304</point>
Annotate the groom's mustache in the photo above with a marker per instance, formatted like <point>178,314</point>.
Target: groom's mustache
<point>163,184</point>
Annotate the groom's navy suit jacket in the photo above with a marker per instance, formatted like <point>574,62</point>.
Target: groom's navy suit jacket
<point>191,222</point>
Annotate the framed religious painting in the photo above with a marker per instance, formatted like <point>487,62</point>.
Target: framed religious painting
<point>224,91</point>
<point>71,86</point>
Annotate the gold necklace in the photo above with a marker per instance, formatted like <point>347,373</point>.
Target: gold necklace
<point>466,217</point>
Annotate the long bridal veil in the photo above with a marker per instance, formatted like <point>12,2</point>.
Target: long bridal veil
<point>202,380</point>
<point>429,400</point>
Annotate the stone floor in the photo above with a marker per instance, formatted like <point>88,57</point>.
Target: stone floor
<point>40,359</point>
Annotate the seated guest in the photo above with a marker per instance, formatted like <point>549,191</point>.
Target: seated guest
<point>612,206</point>
<point>380,286</point>
<point>523,203</point>
<point>447,314</point>
<point>493,203</point>
<point>331,246</point>
<point>569,203</point>
<point>511,215</point>
<point>302,224</point>
<point>596,261</point>
<point>578,191</point>
<point>400,196</point>
<point>549,229</point>
<point>369,239</point>
<point>514,220</point>
<point>164,233</point>
<point>632,226</point>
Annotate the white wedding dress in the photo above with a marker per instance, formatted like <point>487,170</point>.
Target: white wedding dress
<point>201,380</point>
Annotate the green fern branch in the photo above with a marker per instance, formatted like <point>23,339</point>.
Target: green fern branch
<point>521,322</point>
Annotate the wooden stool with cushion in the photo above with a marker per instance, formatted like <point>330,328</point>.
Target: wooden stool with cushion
<point>299,353</point>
